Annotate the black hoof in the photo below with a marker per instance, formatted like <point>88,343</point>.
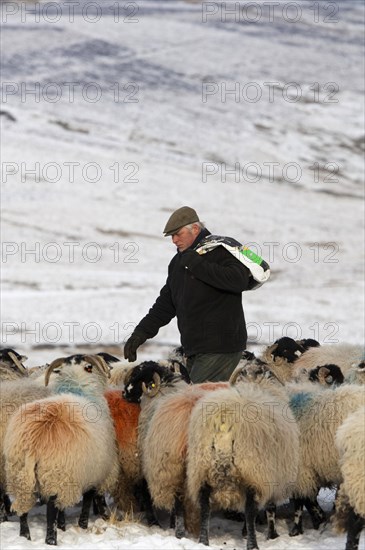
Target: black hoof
<point>180,534</point>
<point>3,517</point>
<point>204,540</point>
<point>272,535</point>
<point>153,521</point>
<point>83,523</point>
<point>295,531</point>
<point>25,533</point>
<point>52,540</point>
<point>318,522</point>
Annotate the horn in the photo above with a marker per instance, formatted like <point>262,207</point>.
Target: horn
<point>233,378</point>
<point>56,363</point>
<point>16,362</point>
<point>99,363</point>
<point>271,374</point>
<point>154,391</point>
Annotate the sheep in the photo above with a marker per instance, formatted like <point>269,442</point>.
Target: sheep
<point>342,355</point>
<point>125,417</point>
<point>319,414</point>
<point>11,365</point>
<point>257,371</point>
<point>164,448</point>
<point>14,394</point>
<point>350,502</point>
<point>125,410</point>
<point>228,460</point>
<point>59,447</point>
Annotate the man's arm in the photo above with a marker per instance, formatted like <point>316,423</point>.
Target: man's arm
<point>160,314</point>
<point>230,275</point>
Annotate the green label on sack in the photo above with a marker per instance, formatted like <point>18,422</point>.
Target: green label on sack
<point>251,255</point>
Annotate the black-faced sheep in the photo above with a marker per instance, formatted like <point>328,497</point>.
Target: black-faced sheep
<point>164,449</point>
<point>319,414</point>
<point>230,433</point>
<point>63,446</point>
<point>350,502</point>
<point>342,355</point>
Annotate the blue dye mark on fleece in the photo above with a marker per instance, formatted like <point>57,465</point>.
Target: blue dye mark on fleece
<point>299,402</point>
<point>66,386</point>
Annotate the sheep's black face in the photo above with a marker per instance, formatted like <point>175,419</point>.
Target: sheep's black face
<point>307,343</point>
<point>332,375</point>
<point>287,348</point>
<point>248,355</point>
<point>144,373</point>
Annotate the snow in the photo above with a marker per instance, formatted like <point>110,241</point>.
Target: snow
<point>87,186</point>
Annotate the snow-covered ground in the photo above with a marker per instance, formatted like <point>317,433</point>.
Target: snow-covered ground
<point>113,117</point>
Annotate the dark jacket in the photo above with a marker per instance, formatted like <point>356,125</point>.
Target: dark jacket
<point>204,292</point>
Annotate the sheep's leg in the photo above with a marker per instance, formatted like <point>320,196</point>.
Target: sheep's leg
<point>61,520</point>
<point>52,513</point>
<point>85,510</point>
<point>271,516</point>
<point>204,495</point>
<point>172,518</point>
<point>100,507</point>
<point>297,528</point>
<point>315,511</point>
<point>250,514</point>
<point>147,504</point>
<point>24,527</point>
<point>244,527</point>
<point>3,508</point>
<point>355,524</point>
<point>179,517</point>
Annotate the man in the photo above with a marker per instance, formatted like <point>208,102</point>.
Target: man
<point>204,292</point>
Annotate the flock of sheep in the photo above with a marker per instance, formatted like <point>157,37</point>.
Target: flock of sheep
<point>286,424</point>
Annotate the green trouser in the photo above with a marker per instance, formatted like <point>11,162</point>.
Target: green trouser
<point>212,367</point>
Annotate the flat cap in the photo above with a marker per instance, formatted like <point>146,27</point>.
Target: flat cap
<point>178,219</point>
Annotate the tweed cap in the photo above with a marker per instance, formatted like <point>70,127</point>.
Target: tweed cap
<point>178,219</point>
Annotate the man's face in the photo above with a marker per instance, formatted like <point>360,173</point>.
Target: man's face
<point>185,237</point>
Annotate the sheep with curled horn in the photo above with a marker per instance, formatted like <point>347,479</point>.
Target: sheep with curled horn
<point>62,446</point>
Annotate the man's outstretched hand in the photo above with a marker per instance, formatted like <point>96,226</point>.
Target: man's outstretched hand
<point>131,346</point>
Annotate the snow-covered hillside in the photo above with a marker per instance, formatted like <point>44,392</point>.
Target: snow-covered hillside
<point>114,114</point>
